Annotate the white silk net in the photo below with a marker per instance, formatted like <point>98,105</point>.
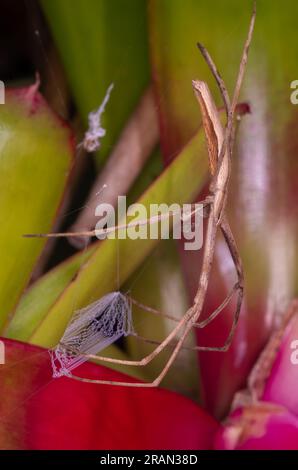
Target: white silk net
<point>91,330</point>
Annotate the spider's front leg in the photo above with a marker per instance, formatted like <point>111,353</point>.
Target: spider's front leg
<point>186,321</point>
<point>190,317</point>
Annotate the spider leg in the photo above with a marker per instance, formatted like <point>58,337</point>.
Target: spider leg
<point>228,341</point>
<point>191,315</point>
<point>147,359</point>
<point>238,286</point>
<point>111,382</point>
<point>230,241</point>
<point>188,321</point>
<point>223,348</point>
<point>201,324</point>
<point>219,309</point>
<point>185,320</point>
<point>231,244</point>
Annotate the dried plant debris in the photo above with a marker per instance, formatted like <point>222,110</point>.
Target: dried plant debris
<point>95,131</point>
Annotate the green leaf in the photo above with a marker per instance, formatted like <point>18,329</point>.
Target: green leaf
<point>40,297</point>
<point>35,159</point>
<point>101,42</point>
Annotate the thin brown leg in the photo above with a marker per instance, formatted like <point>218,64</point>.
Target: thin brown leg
<point>112,382</point>
<point>142,362</point>
<point>239,286</point>
<point>147,359</point>
<point>223,348</point>
<point>201,324</point>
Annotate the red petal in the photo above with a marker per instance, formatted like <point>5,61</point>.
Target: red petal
<point>38,412</point>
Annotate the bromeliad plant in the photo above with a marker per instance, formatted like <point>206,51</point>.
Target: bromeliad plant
<point>37,408</point>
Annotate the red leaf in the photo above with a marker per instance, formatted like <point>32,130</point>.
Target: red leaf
<point>38,412</point>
